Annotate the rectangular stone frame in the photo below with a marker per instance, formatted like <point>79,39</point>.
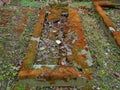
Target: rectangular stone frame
<point>28,74</point>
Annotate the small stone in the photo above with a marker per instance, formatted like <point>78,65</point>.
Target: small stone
<point>59,22</point>
<point>42,48</point>
<point>106,53</point>
<point>105,64</point>
<point>111,29</point>
<point>39,60</point>
<point>58,41</point>
<point>98,88</point>
<point>54,31</point>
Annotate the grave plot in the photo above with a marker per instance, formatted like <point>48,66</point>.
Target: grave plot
<point>57,53</point>
<point>113,28</point>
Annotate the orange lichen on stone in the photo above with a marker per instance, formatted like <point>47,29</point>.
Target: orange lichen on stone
<point>105,3</point>
<point>76,26</point>
<point>29,73</point>
<point>39,24</point>
<point>58,73</point>
<point>55,11</point>
<point>116,35</point>
<point>79,59</point>
<point>54,15</point>
<point>104,16</point>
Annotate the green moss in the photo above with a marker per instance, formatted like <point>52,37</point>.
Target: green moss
<point>32,3</point>
<point>88,4</point>
<point>21,88</point>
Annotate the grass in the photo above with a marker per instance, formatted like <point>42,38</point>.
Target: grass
<point>36,3</point>
<point>88,4</point>
<point>32,4</point>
